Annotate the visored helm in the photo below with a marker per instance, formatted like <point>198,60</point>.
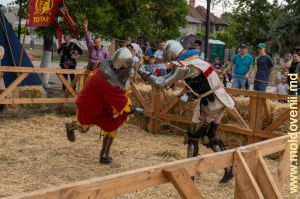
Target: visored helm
<point>122,58</point>
<point>172,50</point>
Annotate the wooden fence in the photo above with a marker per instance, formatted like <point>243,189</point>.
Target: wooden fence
<point>252,176</point>
<point>23,72</point>
<point>259,108</point>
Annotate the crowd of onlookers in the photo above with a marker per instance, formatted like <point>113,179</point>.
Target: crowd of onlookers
<point>238,70</point>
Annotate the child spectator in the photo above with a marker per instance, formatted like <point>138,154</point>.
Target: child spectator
<point>283,87</point>
<point>282,73</point>
<point>153,68</point>
<point>217,64</point>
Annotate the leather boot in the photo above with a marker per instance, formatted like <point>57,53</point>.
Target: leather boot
<point>70,129</point>
<point>104,153</point>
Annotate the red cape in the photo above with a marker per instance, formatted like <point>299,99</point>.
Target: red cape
<point>95,102</point>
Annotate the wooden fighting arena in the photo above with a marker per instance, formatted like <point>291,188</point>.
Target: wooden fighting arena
<point>252,176</point>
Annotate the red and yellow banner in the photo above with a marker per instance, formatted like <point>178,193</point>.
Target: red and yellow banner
<point>40,13</point>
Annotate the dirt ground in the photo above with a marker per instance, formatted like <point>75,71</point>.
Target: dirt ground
<point>35,154</point>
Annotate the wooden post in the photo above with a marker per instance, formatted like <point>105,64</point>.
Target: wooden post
<point>153,126</point>
<point>183,183</point>
<point>245,184</point>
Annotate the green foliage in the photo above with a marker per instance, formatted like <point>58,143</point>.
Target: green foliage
<point>250,20</point>
<point>137,19</point>
<point>284,32</point>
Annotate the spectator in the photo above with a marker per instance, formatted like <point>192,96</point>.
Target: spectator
<point>297,59</point>
<point>70,52</point>
<point>264,65</point>
<point>198,46</point>
<point>159,56</point>
<point>151,66</point>
<point>282,73</point>
<point>97,52</point>
<point>2,85</point>
<point>217,64</point>
<point>293,66</point>
<point>228,73</point>
<point>283,87</point>
<point>243,66</point>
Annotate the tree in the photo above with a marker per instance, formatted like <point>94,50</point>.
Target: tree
<point>251,20</point>
<point>285,30</point>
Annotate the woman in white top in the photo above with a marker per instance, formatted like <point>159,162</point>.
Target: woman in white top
<point>2,86</point>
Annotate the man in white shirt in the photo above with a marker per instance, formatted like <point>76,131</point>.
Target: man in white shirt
<point>159,56</point>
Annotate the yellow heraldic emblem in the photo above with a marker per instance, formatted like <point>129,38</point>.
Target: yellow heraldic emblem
<point>43,6</point>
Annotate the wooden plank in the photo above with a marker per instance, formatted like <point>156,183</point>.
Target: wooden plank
<point>281,119</point>
<point>67,85</point>
<point>138,95</point>
<point>151,176</point>
<point>183,183</point>
<point>81,82</point>
<point>253,114</point>
<point>173,102</point>
<point>234,129</point>
<point>265,180</point>
<point>13,85</point>
<point>154,125</point>
<point>267,108</point>
<point>255,94</point>
<point>270,146</point>
<point>126,182</point>
<point>246,186</point>
<point>73,84</point>
<point>41,70</point>
<point>283,167</point>
<point>37,100</point>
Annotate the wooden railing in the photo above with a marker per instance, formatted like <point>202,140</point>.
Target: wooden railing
<point>23,72</point>
<point>259,108</point>
<point>252,176</point>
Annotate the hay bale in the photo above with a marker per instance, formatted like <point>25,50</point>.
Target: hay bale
<point>29,92</point>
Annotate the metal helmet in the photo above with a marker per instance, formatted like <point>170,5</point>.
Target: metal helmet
<point>122,58</point>
<point>137,49</point>
<point>172,50</point>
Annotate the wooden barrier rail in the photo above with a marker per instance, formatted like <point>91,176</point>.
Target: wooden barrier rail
<point>259,108</point>
<point>252,176</point>
<point>25,71</point>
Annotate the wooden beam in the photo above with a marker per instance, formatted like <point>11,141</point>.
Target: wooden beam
<point>41,70</point>
<point>245,184</point>
<point>267,108</point>
<point>67,85</point>
<point>183,183</point>
<point>173,102</point>
<point>154,125</point>
<point>234,129</point>
<point>138,95</point>
<point>265,180</point>
<point>257,94</point>
<point>275,124</point>
<point>13,85</point>
<point>254,101</point>
<point>126,182</point>
<point>73,84</point>
<point>37,100</point>
<point>283,167</point>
